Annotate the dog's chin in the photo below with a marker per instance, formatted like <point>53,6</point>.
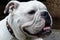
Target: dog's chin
<point>42,33</point>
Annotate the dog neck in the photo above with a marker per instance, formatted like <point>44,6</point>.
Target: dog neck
<point>14,29</point>
<point>10,29</point>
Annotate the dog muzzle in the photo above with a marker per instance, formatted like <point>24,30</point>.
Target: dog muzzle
<point>40,25</point>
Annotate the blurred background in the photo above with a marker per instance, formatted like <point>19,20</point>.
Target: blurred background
<point>53,7</point>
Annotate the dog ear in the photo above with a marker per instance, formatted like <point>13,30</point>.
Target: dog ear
<point>11,6</point>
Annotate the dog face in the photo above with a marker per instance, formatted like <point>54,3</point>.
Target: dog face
<point>31,17</point>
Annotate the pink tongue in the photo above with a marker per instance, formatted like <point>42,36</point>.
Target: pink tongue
<point>46,28</point>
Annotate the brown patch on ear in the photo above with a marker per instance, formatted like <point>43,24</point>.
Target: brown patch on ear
<point>11,6</point>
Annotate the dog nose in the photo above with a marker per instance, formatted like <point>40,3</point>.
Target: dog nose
<point>46,16</point>
<point>44,13</point>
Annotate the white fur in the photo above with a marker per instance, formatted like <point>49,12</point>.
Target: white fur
<point>19,17</point>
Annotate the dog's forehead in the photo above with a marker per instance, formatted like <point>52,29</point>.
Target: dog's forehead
<point>31,5</point>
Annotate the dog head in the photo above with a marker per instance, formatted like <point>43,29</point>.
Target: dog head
<point>32,17</point>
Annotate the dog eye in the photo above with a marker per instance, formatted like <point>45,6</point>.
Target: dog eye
<point>31,12</point>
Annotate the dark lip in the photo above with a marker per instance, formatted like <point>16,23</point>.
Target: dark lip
<point>39,34</point>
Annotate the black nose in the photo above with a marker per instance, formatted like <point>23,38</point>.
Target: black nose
<point>46,16</point>
<point>44,13</point>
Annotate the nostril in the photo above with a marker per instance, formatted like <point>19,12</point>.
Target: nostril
<point>44,13</point>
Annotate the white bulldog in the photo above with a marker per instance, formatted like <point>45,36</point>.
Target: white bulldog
<point>26,21</point>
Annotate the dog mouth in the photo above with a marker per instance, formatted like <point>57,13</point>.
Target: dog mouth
<point>41,31</point>
<point>44,32</point>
